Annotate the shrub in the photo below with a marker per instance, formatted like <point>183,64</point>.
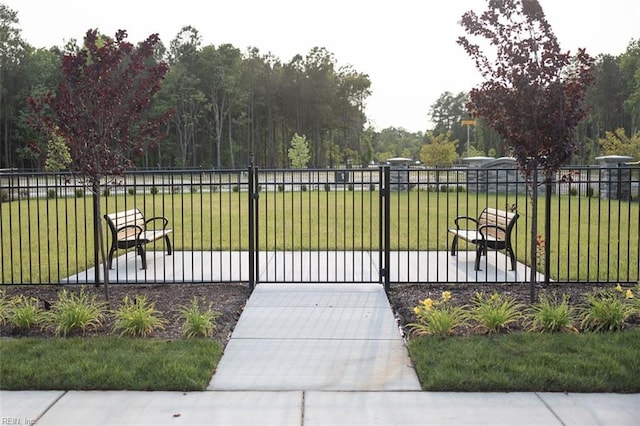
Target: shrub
<point>5,306</point>
<point>24,312</point>
<point>372,187</point>
<point>4,195</point>
<point>607,310</point>
<point>198,322</point>
<point>552,315</point>
<point>280,188</point>
<point>235,188</point>
<point>79,193</point>
<point>154,190</point>
<point>136,317</point>
<point>131,191</point>
<point>194,189</point>
<point>438,317</point>
<point>573,191</point>
<point>350,187</point>
<point>106,192</point>
<point>76,312</point>
<point>590,192</point>
<point>327,187</point>
<point>51,194</point>
<point>303,188</point>
<point>495,313</point>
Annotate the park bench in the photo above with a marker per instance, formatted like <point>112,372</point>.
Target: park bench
<point>130,229</point>
<point>491,230</point>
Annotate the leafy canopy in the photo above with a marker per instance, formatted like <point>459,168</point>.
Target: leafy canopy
<point>533,92</point>
<point>100,105</point>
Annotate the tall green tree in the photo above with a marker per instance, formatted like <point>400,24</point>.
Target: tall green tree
<point>299,154</point>
<point>439,151</point>
<point>533,92</point>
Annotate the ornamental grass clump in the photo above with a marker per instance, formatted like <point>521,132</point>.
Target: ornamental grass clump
<point>5,306</point>
<point>495,313</point>
<point>607,309</point>
<point>438,317</point>
<point>198,322</point>
<point>24,312</point>
<point>552,315</point>
<point>76,312</point>
<point>137,318</point>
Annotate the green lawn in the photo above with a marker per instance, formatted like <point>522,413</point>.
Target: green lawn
<point>48,239</point>
<point>587,362</point>
<point>527,362</point>
<point>107,363</point>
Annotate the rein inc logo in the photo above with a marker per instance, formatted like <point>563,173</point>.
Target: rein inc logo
<point>16,421</point>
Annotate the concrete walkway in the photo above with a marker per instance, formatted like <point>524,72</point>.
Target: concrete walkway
<point>316,337</point>
<point>310,354</point>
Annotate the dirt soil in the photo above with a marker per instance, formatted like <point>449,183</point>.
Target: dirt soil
<point>229,300</point>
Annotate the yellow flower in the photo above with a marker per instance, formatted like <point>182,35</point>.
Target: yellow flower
<point>416,310</point>
<point>446,296</point>
<point>629,294</point>
<point>619,288</point>
<point>428,303</point>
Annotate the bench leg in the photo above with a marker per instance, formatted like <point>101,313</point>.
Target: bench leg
<point>513,258</point>
<point>143,256</point>
<point>479,251</point>
<point>168,243</point>
<point>111,257</point>
<point>454,245</point>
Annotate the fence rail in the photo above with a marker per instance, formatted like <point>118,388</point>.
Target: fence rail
<point>588,219</point>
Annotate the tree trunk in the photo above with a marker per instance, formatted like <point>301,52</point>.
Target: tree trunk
<point>534,235</point>
<point>95,188</point>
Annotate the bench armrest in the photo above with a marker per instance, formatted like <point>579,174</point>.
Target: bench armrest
<point>164,220</point>
<point>497,227</point>
<point>467,218</point>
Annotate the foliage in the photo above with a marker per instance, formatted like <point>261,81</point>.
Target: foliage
<point>438,317</point>
<point>5,307</point>
<point>299,154</point>
<point>552,315</point>
<point>58,157</point>
<point>439,151</point>
<point>198,322</point>
<point>618,143</point>
<point>25,312</point>
<point>495,313</point>
<point>607,310</point>
<point>137,317</point>
<point>533,93</point>
<point>76,312</point>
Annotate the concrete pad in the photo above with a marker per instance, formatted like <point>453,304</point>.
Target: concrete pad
<point>25,407</point>
<point>319,266</point>
<point>425,408</point>
<point>175,408</point>
<point>317,323</point>
<point>594,409</point>
<point>319,364</point>
<point>318,295</point>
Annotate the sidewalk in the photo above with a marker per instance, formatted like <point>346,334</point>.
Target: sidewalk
<point>329,354</point>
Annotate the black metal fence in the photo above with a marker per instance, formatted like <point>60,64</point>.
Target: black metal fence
<point>343,225</point>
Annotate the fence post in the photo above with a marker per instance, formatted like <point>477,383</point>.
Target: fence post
<point>252,248</point>
<point>385,231</point>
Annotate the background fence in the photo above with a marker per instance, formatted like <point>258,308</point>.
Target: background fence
<point>589,218</point>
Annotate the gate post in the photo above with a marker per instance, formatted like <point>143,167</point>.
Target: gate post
<point>385,231</point>
<point>252,226</point>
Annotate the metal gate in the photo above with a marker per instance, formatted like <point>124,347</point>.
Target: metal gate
<point>327,226</point>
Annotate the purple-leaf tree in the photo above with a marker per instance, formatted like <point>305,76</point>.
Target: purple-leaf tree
<point>100,110</point>
<point>532,93</point>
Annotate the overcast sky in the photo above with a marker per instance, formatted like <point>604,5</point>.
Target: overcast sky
<point>407,47</point>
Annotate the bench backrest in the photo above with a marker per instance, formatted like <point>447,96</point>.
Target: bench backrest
<point>501,218</point>
<point>125,218</point>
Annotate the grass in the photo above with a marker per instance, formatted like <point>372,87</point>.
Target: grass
<point>52,238</point>
<point>528,362</point>
<point>107,363</point>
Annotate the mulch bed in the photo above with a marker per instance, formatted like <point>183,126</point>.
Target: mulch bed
<point>229,300</point>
